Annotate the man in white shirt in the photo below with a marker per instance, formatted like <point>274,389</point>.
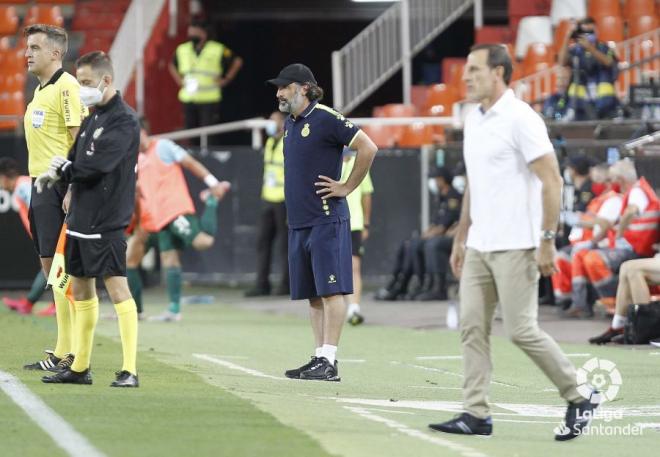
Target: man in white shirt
<point>506,234</point>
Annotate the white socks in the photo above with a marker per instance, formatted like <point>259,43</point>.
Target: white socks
<point>352,309</point>
<point>319,352</point>
<point>329,352</point>
<point>618,322</point>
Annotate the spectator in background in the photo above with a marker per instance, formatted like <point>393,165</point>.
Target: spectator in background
<point>359,206</point>
<point>578,191</point>
<point>636,234</point>
<point>272,222</point>
<point>198,67</point>
<point>425,256</point>
<point>556,105</point>
<point>635,277</point>
<point>594,72</point>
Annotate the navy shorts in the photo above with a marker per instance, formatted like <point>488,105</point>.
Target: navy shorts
<point>320,261</point>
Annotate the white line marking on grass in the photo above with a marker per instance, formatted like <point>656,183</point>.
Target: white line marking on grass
<point>448,372</point>
<point>352,360</point>
<point>391,411</point>
<point>652,425</point>
<point>233,366</point>
<point>435,387</point>
<point>526,422</point>
<point>439,357</point>
<point>62,433</point>
<point>399,427</point>
<point>654,353</point>
<point>579,354</point>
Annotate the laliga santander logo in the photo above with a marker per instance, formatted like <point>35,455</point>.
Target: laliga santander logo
<point>599,374</point>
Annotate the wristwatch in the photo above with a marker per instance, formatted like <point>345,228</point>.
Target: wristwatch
<point>548,235</point>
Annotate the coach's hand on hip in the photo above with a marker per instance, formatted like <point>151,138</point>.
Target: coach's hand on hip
<point>331,188</point>
<point>545,257</point>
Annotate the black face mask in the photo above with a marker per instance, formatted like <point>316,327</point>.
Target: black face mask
<point>195,40</point>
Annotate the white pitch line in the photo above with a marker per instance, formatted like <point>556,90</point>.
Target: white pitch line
<point>352,360</point>
<point>525,422</point>
<point>233,366</point>
<point>654,353</point>
<point>399,427</point>
<point>435,387</point>
<point>578,354</point>
<point>450,373</point>
<point>439,357</point>
<point>62,433</point>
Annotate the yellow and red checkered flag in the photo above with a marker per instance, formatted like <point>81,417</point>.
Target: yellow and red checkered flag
<point>58,277</point>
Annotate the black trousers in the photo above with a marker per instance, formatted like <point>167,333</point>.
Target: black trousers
<point>200,115</point>
<point>436,254</point>
<point>272,227</point>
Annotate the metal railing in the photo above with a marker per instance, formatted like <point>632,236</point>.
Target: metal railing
<point>388,44</point>
<point>638,59</point>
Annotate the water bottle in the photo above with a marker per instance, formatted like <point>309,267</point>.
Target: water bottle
<point>612,155</point>
<point>452,315</point>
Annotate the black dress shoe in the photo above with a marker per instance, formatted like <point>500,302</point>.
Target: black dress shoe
<point>257,292</point>
<point>69,376</point>
<point>295,372</point>
<point>578,417</point>
<point>125,379</point>
<point>606,337</point>
<point>321,370</point>
<point>465,424</point>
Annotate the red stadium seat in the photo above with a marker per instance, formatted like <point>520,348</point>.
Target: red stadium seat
<point>383,135</point>
<point>561,30</point>
<point>456,81</point>
<point>13,83</point>
<point>416,135</point>
<point>636,8</point>
<point>8,20</point>
<point>440,94</point>
<point>45,14</point>
<point>599,8</point>
<point>610,28</point>
<point>398,110</point>
<point>641,24</point>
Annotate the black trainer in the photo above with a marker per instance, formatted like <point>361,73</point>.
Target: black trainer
<point>606,337</point>
<point>465,424</point>
<point>295,373</point>
<point>63,364</point>
<point>125,379</point>
<point>321,370</point>
<point>44,365</point>
<point>69,376</point>
<point>578,417</point>
<point>355,319</point>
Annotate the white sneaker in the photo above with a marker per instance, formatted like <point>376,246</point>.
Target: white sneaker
<point>656,343</point>
<point>165,316</point>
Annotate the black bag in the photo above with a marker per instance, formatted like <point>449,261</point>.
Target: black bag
<point>643,323</point>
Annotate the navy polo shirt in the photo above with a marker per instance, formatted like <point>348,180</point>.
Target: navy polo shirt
<point>313,144</point>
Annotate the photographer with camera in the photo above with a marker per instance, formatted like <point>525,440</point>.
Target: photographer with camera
<point>594,72</point>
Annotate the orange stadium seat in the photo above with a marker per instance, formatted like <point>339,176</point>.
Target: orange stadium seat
<point>11,104</point>
<point>561,30</point>
<point>599,8</point>
<point>636,8</point>
<point>8,20</point>
<point>539,56</point>
<point>13,82</point>
<point>383,135</point>
<point>45,14</point>
<point>456,83</point>
<point>416,135</point>
<point>641,24</point>
<point>610,28</point>
<point>440,94</point>
<point>12,60</point>
<point>398,110</point>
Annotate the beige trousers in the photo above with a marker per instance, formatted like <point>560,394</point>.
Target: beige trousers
<point>510,278</point>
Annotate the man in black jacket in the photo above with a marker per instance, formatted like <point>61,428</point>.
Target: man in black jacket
<point>101,169</point>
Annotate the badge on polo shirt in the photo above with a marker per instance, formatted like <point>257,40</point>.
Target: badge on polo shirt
<point>305,131</point>
<point>38,117</point>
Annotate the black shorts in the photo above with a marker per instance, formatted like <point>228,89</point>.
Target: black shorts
<point>95,258</point>
<point>46,218</point>
<point>357,250</point>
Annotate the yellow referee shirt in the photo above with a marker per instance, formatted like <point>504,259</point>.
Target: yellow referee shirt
<point>55,107</point>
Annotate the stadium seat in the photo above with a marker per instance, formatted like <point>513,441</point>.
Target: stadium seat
<point>571,9</point>
<point>416,135</point>
<point>8,20</point>
<point>13,82</point>
<point>561,30</point>
<point>637,8</point>
<point>532,29</point>
<point>456,84</point>
<point>641,24</point>
<point>398,110</point>
<point>12,60</point>
<point>45,14</point>
<point>539,56</point>
<point>383,135</point>
<point>600,8</point>
<point>11,104</point>
<point>440,94</point>
<point>610,28</point>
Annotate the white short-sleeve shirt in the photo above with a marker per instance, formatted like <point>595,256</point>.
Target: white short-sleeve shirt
<point>505,196</point>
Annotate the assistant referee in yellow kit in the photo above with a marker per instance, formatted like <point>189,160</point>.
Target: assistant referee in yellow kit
<point>52,120</point>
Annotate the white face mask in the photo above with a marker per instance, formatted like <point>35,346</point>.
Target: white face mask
<point>458,183</point>
<point>271,128</point>
<point>433,186</point>
<point>91,96</point>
